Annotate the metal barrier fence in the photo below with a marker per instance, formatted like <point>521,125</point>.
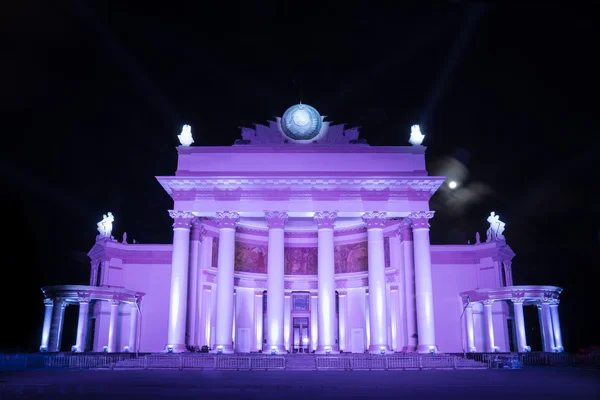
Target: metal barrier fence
<point>82,361</point>
<point>386,363</point>
<point>543,358</point>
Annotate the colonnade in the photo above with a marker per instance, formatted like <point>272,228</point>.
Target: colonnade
<point>548,317</point>
<point>54,315</point>
<point>417,279</point>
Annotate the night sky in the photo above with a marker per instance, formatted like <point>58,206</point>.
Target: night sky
<point>94,95</point>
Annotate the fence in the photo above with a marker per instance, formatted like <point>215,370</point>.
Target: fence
<point>373,363</point>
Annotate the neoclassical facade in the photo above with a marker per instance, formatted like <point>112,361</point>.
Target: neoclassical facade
<point>301,238</point>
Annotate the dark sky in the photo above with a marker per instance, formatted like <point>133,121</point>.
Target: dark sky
<point>94,94</point>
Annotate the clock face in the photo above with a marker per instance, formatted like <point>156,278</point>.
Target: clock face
<point>301,122</point>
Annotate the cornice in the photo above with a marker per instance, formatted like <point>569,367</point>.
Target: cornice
<point>299,187</point>
<point>83,293</point>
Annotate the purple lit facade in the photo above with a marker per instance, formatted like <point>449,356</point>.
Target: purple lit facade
<point>294,240</point>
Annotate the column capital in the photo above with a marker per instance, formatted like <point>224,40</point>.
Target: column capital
<point>227,219</point>
<point>405,231</point>
<point>83,297</point>
<point>115,301</point>
<point>181,219</point>
<point>554,302</point>
<point>420,219</point>
<point>198,230</point>
<point>48,302</point>
<point>517,300</point>
<point>488,302</point>
<point>325,219</point>
<point>276,219</point>
<point>375,219</point>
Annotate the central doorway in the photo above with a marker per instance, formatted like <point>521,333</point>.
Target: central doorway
<point>301,335</point>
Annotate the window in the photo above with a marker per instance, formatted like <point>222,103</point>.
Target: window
<point>301,302</point>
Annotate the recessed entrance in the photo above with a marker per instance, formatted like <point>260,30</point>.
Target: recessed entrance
<point>301,338</point>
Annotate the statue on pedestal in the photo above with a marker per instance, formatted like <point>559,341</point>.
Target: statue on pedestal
<point>105,227</point>
<point>496,229</point>
<point>124,241</point>
<point>416,137</point>
<point>186,138</point>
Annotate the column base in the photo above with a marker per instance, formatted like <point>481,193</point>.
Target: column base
<point>222,349</point>
<point>274,349</point>
<point>175,348</point>
<point>379,349</point>
<point>427,349</point>
<point>327,349</point>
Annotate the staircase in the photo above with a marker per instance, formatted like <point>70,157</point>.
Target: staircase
<point>300,362</point>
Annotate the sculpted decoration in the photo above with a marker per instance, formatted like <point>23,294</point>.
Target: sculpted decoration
<point>181,219</point>
<point>374,219</point>
<point>420,219</point>
<point>325,219</point>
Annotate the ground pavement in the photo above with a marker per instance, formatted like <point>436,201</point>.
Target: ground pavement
<point>530,383</point>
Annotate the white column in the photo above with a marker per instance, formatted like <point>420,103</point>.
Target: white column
<point>423,282</point>
<point>470,329</point>
<point>558,346</point>
<point>197,232</point>
<point>520,324</point>
<point>409,286</point>
<point>326,282</point>
<point>287,322</point>
<point>48,305</point>
<point>113,326</point>
<point>258,319</point>
<point>396,327</point>
<point>546,320</point>
<point>275,283</point>
<point>179,281</point>
<point>203,303</point>
<point>133,327</point>
<point>56,328</point>
<point>397,261</point>
<point>314,321</point>
<point>489,325</point>
<point>204,334</point>
<point>377,295</point>
<point>343,299</point>
<point>508,272</point>
<point>82,324</point>
<point>224,309</point>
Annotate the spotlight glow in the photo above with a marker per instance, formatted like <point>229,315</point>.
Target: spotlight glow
<point>452,184</point>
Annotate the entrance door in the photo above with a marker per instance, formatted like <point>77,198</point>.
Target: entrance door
<point>301,335</point>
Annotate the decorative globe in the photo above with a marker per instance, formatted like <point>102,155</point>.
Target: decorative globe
<point>301,122</point>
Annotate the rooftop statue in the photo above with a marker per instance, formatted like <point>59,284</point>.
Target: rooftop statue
<point>185,138</point>
<point>416,137</point>
<point>105,226</point>
<point>496,229</point>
